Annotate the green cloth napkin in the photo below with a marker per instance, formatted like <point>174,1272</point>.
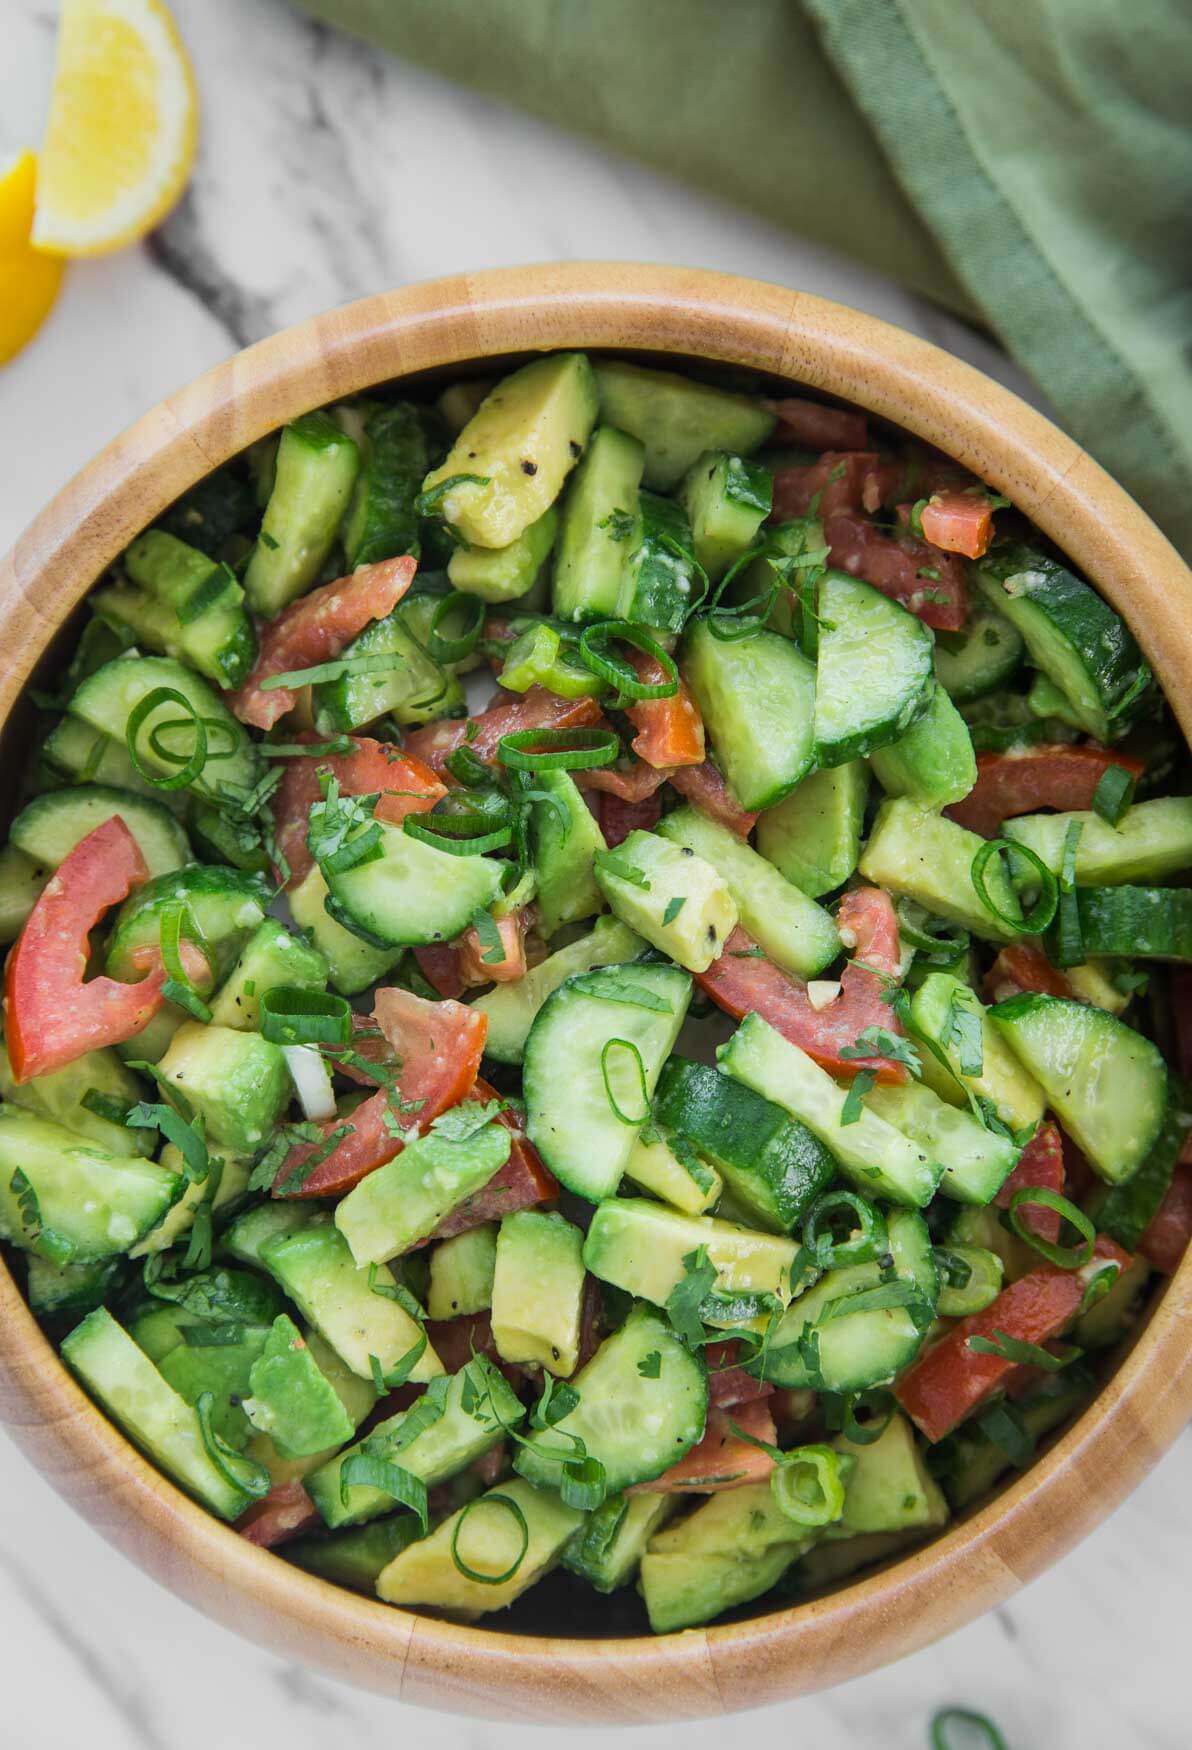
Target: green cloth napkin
<point>1025,162</point>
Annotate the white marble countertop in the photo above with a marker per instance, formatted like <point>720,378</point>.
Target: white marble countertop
<point>329,171</point>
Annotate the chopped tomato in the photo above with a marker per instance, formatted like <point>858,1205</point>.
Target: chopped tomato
<point>1038,777</point>
<point>728,1383</point>
<point>475,968</point>
<point>842,480</point>
<point>535,709</point>
<point>815,427</point>
<point>705,788</point>
<point>369,1043</point>
<point>951,1380</point>
<point>1024,967</point>
<point>1079,1177</point>
<point>54,1014</point>
<point>722,1460</point>
<point>489,1468</point>
<point>438,963</point>
<point>1171,1225</point>
<point>631,783</point>
<point>315,629</point>
<point>618,818</point>
<point>521,1183</point>
<point>406,785</point>
<point>1040,1163</point>
<point>959,522</point>
<point>927,581</point>
<point>670,732</point>
<point>455,1341</point>
<point>743,980</point>
<point>439,1047</point>
<point>285,1512</point>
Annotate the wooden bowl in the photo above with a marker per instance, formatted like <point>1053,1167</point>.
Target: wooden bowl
<point>472,322</point>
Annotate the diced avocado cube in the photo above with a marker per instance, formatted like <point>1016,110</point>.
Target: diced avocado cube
<point>538,1291</point>
<point>640,1246</point>
<point>888,1488</point>
<point>693,1189</point>
<point>223,1370</point>
<point>461,1273</point>
<point>355,1558</point>
<point>238,1082</point>
<point>673,898</point>
<point>732,1549</point>
<point>813,836</point>
<point>404,1201</point>
<point>292,1400</point>
<point>933,761</point>
<point>271,956</point>
<point>929,858</point>
<point>233,1183</point>
<point>501,574</point>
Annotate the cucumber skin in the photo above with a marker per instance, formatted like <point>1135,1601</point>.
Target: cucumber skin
<point>1145,923</point>
<point>854,596</point>
<point>979,668</point>
<point>508,1006</point>
<point>162,841</point>
<point>742,722</point>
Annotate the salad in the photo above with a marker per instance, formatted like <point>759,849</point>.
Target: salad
<point>686,1123</point>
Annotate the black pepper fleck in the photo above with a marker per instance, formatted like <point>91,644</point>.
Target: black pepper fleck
<point>529,467</point>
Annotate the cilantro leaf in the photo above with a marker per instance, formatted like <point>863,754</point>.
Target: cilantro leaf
<point>460,1122</point>
<point>851,1111</point>
<point>880,1042</point>
<point>650,1366</point>
<point>686,1297</point>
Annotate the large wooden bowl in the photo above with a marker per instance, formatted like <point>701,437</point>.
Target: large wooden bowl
<point>448,324</point>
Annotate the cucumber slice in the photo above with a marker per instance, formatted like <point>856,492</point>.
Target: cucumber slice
<point>986,655</point>
<point>727,501</point>
<point>677,419</point>
<point>877,1158</point>
<point>873,674</point>
<point>599,520</point>
<point>757,697</point>
<point>813,836</point>
<point>511,1008</point>
<point>916,852</point>
<point>199,607</point>
<point>354,965</point>
<point>21,880</point>
<point>317,465</point>
<point>1072,634</point>
<point>933,762</point>
<point>80,754</point>
<point>673,898</point>
<point>607,1550</point>
<point>976,1162</point>
<point>795,932</point>
<point>224,905</point>
<point>107,699</point>
<point>77,1288</point>
<point>523,441</point>
<point>1016,1097</point>
<point>1147,923</point>
<point>564,839</point>
<point>640,1247</point>
<point>150,1411</point>
<point>69,1200</point>
<point>570,1118</point>
<point>658,584</point>
<point>411,893</point>
<point>1152,841</point>
<point>48,828</point>
<point>637,1424</point>
<point>382,522</point>
<point>59,1096</point>
<point>414,691</point>
<point>1106,1082</point>
<point>501,574</point>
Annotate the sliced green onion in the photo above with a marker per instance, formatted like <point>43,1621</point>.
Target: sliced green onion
<point>178,987</point>
<point>941,1729</point>
<point>460,835</point>
<point>807,1486</point>
<point>312,750</point>
<point>1005,1425</point>
<point>236,1468</point>
<point>428,503</point>
<point>471,610</point>
<point>369,1470</point>
<point>192,769</point>
<point>636,1056</point>
<point>582,1484</point>
<point>205,595</point>
<point>379,662</point>
<point>1043,910</point>
<point>468,768</point>
<point>366,847</point>
<point>595,656</point>
<point>841,1413</point>
<point>1067,945</point>
<point>1013,1349</point>
<point>1043,1197</point>
<point>558,750</point>
<point>291,1015</point>
<point>1114,793</point>
<point>515,1513</point>
<point>172,757</point>
<point>832,1254</point>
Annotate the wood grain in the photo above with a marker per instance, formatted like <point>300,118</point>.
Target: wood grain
<point>465,321</point>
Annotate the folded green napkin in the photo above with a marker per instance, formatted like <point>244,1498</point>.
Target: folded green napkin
<point>1027,164</point>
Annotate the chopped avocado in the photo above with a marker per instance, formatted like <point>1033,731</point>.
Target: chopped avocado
<point>271,956</point>
<point>1016,1096</point>
<point>238,1082</point>
<point>813,836</point>
<point>461,1273</point>
<point>523,441</point>
<point>404,1201</point>
<point>836,1558</point>
<point>677,419</point>
<point>607,1550</point>
<point>316,470</point>
<point>693,1189</point>
<point>178,1221</point>
<point>733,1548</point>
<point>354,1558</point>
<point>60,1094</point>
<point>598,528</point>
<point>727,501</point>
<point>933,761</point>
<point>222,1369</point>
<point>501,574</point>
<point>538,1291</point>
<point>929,858</point>
<point>564,839</point>
<point>673,898</point>
<point>640,1246</point>
<point>292,1400</point>
<point>245,1238</point>
<point>889,1488</point>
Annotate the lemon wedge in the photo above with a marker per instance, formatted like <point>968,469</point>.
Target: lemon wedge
<point>29,282</point>
<point>123,127</point>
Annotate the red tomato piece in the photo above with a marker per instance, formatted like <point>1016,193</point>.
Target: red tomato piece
<point>438,963</point>
<point>535,709</point>
<point>439,1046</point>
<point>1040,1163</point>
<point>1038,777</point>
<point>705,788</point>
<point>406,785</point>
<point>285,1512</point>
<point>813,426</point>
<point>721,1460</point>
<point>520,1184</point>
<point>315,629</point>
<point>474,969</point>
<point>951,1380</point>
<point>896,564</point>
<point>1171,1225</point>
<point>727,1383</point>
<point>1024,967</point>
<point>842,480</point>
<point>619,818</point>
<point>53,1014</point>
<point>670,732</point>
<point>631,783</point>
<point>959,522</point>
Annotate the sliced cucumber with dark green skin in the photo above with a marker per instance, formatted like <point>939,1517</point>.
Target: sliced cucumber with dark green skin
<point>727,501</point>
<point>1127,1210</point>
<point>317,465</point>
<point>511,1008</point>
<point>564,839</point>
<point>416,689</point>
<point>1072,634</point>
<point>412,893</point>
<point>636,1423</point>
<point>1152,841</point>
<point>873,674</point>
<point>83,755</point>
<point>21,880</point>
<point>571,1068</point>
<point>658,584</point>
<point>757,697</point>
<point>48,828</point>
<point>1144,923</point>
<point>599,527</point>
<point>1106,1083</point>
<point>813,836</point>
<point>206,623</point>
<point>59,1096</point>
<point>933,761</point>
<point>224,905</point>
<point>986,655</point>
<point>108,698</point>
<point>382,522</point>
<point>354,964</point>
<point>677,419</point>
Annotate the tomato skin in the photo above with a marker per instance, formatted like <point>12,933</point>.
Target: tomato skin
<point>633,783</point>
<point>894,563</point>
<point>705,789</point>
<point>1039,777</point>
<point>440,1046</point>
<point>841,480</point>
<point>314,629</point>
<point>617,818</point>
<point>729,1384</point>
<point>438,963</point>
<point>670,732</point>
<point>1040,1163</point>
<point>721,1460</point>
<point>522,1183</point>
<point>52,1015</point>
<point>958,522</point>
<point>949,1382</point>
<point>285,1512</point>
<point>407,787</point>
<point>812,426</point>
<point>534,709</point>
<point>1171,1225</point>
<point>475,970</point>
<point>1022,967</point>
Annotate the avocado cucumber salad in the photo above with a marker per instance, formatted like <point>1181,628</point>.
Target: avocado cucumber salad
<point>675,1129</point>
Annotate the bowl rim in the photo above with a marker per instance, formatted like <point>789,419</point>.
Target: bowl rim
<point>812,343</point>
